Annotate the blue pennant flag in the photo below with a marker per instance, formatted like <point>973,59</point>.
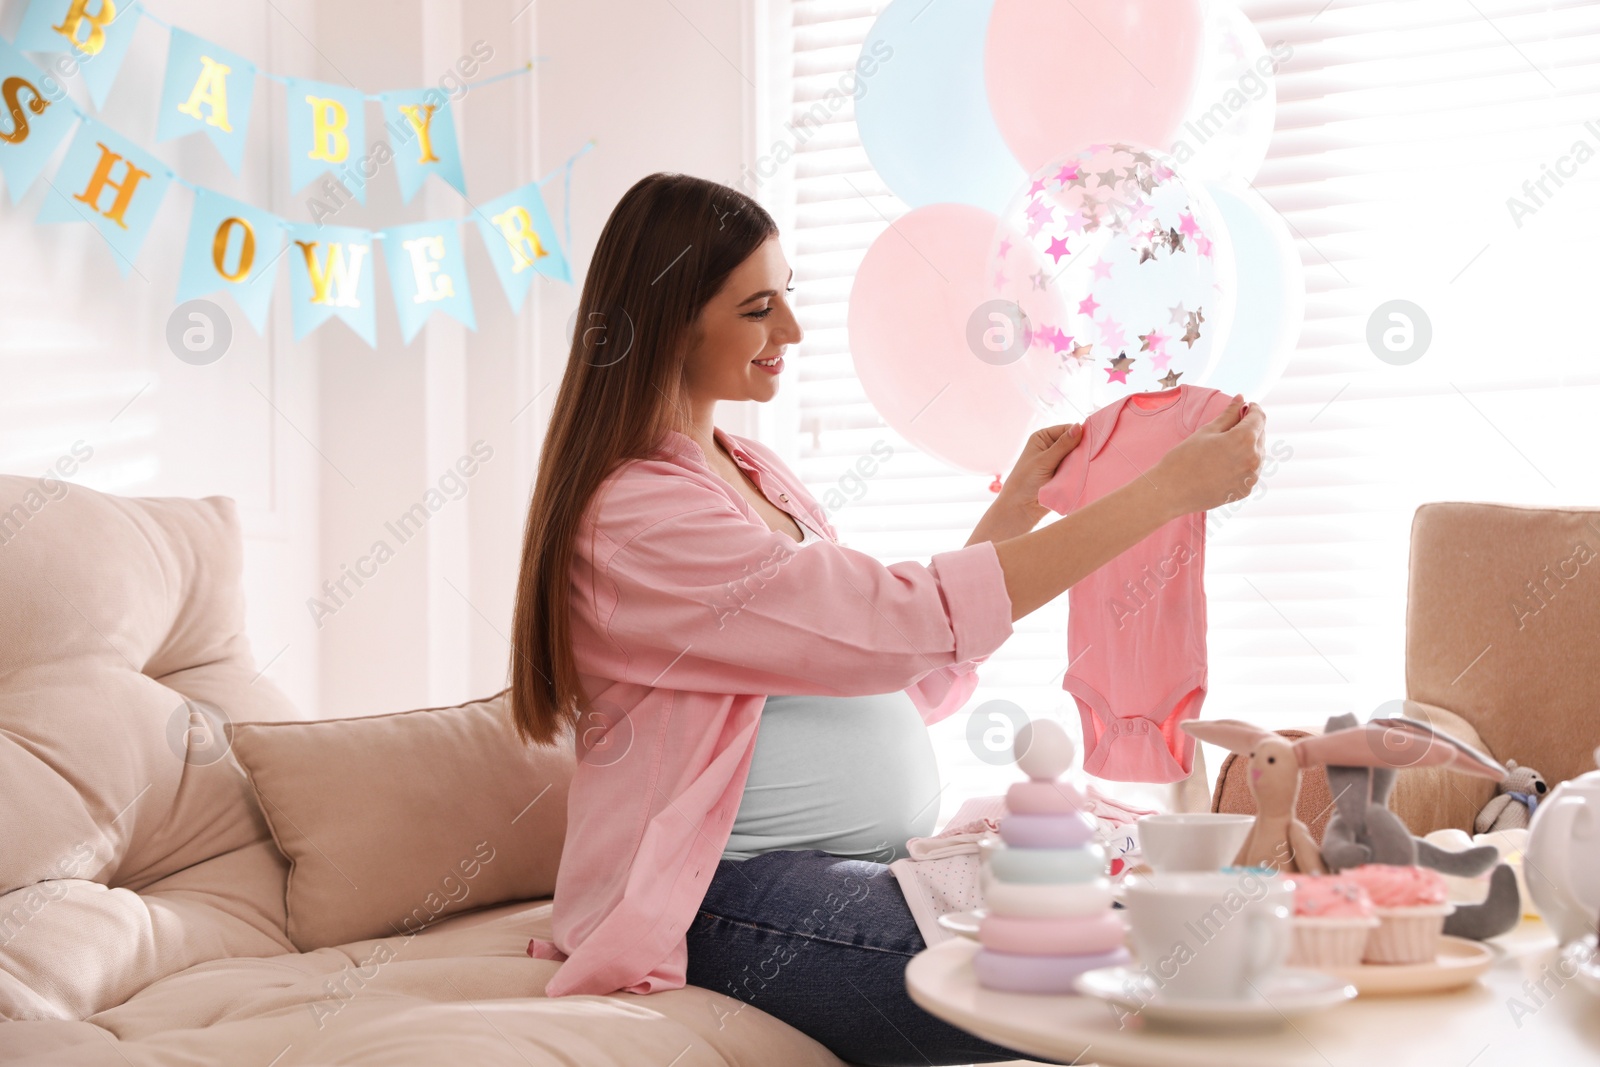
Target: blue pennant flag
<point>327,132</point>
<point>41,116</point>
<point>235,247</point>
<point>96,32</point>
<point>110,183</point>
<point>330,273</point>
<point>428,274</point>
<point>521,240</point>
<point>422,135</point>
<point>207,89</point>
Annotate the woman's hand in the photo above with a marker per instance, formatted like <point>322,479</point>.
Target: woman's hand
<point>1217,463</point>
<point>1016,509</point>
<point>1040,457</point>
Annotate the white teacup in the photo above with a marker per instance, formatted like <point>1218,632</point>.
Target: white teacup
<point>1209,936</point>
<point>1192,841</point>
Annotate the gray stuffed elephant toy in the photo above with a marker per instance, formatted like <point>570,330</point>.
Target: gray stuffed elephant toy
<point>1364,830</point>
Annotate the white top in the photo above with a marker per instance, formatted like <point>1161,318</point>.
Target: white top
<point>853,776</point>
<point>809,536</point>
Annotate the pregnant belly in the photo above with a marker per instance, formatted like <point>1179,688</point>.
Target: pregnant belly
<point>852,776</point>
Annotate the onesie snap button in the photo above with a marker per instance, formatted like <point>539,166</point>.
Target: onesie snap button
<point>1114,727</point>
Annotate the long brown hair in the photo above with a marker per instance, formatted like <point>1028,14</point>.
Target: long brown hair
<point>668,247</point>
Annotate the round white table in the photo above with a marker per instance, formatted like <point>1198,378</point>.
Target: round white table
<point>1522,1011</point>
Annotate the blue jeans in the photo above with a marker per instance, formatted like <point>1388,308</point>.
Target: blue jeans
<point>822,943</point>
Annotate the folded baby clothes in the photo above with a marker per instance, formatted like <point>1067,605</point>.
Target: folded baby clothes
<point>1110,810</point>
<point>1136,626</point>
<point>957,840</point>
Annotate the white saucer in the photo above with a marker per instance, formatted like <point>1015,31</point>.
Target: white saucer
<point>1459,962</point>
<point>964,923</point>
<point>1286,992</point>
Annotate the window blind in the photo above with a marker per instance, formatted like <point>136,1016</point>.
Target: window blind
<point>1403,131</point>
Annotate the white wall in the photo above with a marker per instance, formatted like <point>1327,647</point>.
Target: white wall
<point>83,353</point>
<point>325,440</point>
<point>658,87</point>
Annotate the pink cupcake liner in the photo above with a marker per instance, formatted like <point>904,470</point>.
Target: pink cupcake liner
<point>1407,935</point>
<point>1330,942</point>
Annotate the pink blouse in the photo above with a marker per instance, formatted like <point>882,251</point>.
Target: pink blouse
<point>687,610</point>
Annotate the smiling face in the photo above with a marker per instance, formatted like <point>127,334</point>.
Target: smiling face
<point>741,333</point>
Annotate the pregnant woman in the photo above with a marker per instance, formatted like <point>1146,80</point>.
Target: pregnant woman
<point>748,698</point>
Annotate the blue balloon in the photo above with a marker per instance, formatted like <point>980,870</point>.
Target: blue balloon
<point>1271,293</point>
<point>923,110</point>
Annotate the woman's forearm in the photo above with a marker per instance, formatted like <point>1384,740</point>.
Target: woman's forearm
<point>1007,517</point>
<point>1039,566</point>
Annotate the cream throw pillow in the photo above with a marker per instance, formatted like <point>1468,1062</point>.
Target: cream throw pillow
<point>392,821</point>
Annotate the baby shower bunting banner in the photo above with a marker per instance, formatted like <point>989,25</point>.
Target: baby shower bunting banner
<point>117,187</point>
<point>428,274</point>
<point>422,139</point>
<point>330,273</point>
<point>324,121</point>
<point>233,247</point>
<point>207,90</point>
<point>110,183</point>
<point>521,241</point>
<point>96,33</point>
<point>39,119</point>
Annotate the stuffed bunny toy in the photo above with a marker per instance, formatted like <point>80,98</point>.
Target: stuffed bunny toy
<point>1279,840</point>
<point>1364,830</point>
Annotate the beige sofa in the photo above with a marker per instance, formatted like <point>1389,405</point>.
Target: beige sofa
<point>193,873</point>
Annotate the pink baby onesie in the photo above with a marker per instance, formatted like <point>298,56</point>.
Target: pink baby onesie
<point>1136,627</point>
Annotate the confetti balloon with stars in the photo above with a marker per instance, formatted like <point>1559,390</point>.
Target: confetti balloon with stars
<point>1121,273</point>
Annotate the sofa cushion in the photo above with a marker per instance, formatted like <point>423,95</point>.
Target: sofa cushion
<point>122,645</point>
<point>122,653</point>
<point>463,990</point>
<point>1501,616</point>
<point>392,821</point>
<point>72,947</point>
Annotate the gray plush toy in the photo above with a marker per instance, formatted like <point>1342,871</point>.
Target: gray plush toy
<point>1364,830</point>
<point>1511,808</point>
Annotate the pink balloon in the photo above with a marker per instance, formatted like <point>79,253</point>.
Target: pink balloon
<point>918,291</point>
<point>1062,76</point>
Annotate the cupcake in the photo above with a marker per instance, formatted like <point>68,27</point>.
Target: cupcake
<point>1333,918</point>
<point>1411,904</point>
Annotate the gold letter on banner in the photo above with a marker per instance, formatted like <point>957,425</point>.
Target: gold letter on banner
<point>517,225</point>
<point>421,118</point>
<point>210,89</point>
<point>328,120</point>
<point>247,248</point>
<point>102,178</point>
<point>425,254</point>
<point>77,15</point>
<point>336,277</point>
<point>10,89</point>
